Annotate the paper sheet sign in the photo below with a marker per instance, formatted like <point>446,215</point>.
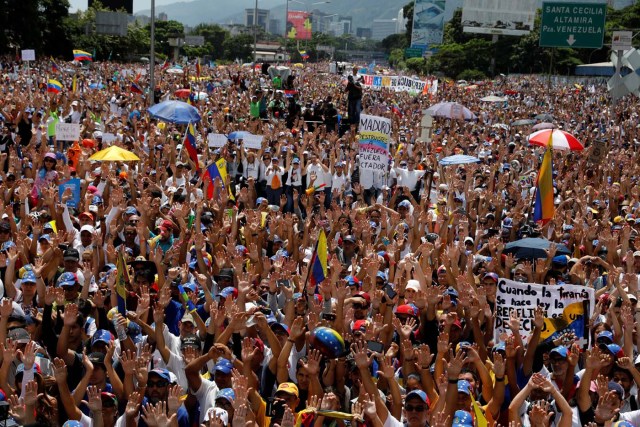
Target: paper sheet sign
<point>253,141</point>
<point>216,140</point>
<point>67,131</point>
<point>28,55</point>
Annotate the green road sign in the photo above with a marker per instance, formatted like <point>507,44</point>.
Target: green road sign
<point>576,25</point>
<point>413,52</point>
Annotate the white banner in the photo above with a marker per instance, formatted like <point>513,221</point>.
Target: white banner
<point>253,141</point>
<point>68,131</point>
<point>400,84</point>
<point>567,308</point>
<point>217,140</point>
<point>375,133</point>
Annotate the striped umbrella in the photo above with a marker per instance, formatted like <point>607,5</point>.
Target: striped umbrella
<point>560,140</point>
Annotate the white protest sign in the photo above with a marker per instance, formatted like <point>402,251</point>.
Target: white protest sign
<point>567,308</point>
<point>67,131</point>
<point>28,55</point>
<point>108,137</point>
<point>216,140</point>
<point>253,141</point>
<point>375,133</point>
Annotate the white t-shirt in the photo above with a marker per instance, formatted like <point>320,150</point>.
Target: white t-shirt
<point>407,178</point>
<point>295,176</point>
<point>206,396</point>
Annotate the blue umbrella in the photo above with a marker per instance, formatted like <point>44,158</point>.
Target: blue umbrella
<point>239,134</point>
<point>96,86</point>
<point>458,159</point>
<point>533,247</point>
<point>175,112</point>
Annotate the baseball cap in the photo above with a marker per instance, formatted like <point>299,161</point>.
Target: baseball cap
<point>67,279</point>
<point>614,386</point>
<point>404,204</point>
<point>85,214</point>
<point>71,254</point>
<point>188,317</point>
<point>190,340</point>
<point>226,393</point>
<point>352,281</point>
<point>101,335</point>
<point>19,336</point>
<point>613,349</point>
<point>413,285</point>
<point>288,388</point>
<point>88,228</point>
<point>365,296</point>
<point>464,387</point>
<point>29,277</point>
<point>560,351</point>
<point>560,259</point>
<point>46,237</point>
<point>492,276</point>
<point>224,366</point>
<point>605,337</point>
<point>462,419</point>
<point>406,309</point>
<point>162,373</point>
<point>416,394</point>
<point>109,399</point>
<point>97,358</point>
<point>213,413</point>
<point>349,238</point>
<point>359,325</point>
<point>229,290</point>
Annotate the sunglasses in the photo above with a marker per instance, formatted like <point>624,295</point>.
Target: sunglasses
<point>411,408</point>
<point>157,384</point>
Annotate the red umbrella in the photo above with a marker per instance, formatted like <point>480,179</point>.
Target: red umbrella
<point>560,140</point>
<point>182,93</point>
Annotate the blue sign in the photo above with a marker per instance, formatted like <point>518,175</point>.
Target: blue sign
<point>75,186</point>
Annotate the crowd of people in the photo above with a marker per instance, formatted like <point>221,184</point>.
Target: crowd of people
<point>224,322</point>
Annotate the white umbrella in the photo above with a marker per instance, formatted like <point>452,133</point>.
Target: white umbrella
<point>544,125</point>
<point>494,98</point>
<point>175,71</point>
<point>501,126</point>
<point>451,110</point>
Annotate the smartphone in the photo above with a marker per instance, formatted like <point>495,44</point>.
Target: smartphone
<point>328,316</point>
<point>277,409</point>
<point>375,346</point>
<point>391,294</point>
<point>284,282</point>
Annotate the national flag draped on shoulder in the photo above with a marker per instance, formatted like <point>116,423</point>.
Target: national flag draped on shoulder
<point>122,277</point>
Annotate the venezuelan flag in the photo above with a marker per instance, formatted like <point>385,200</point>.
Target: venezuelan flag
<point>135,88</point>
<point>319,260</point>
<point>396,110</point>
<point>190,144</point>
<point>304,55</point>
<point>574,319</point>
<point>54,66</point>
<point>121,287</point>
<point>198,69</point>
<point>544,209</point>
<point>54,86</point>
<point>81,55</point>
<point>216,170</point>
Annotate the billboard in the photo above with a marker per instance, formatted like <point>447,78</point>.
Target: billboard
<point>298,25</point>
<point>428,23</point>
<point>502,17</point>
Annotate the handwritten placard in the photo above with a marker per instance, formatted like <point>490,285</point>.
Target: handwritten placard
<point>216,140</point>
<point>67,131</point>
<point>253,141</point>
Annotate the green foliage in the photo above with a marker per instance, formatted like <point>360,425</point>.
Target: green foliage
<point>471,75</point>
<point>240,46</point>
<point>417,65</point>
<point>394,41</point>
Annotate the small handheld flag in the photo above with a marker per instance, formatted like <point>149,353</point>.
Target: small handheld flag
<point>309,191</point>
<point>54,66</point>
<point>121,279</point>
<point>190,144</point>
<point>54,86</point>
<point>190,305</point>
<point>304,55</point>
<point>198,68</point>
<point>319,260</point>
<point>135,88</point>
<point>544,209</point>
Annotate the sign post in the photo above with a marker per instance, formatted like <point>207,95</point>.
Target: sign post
<point>573,25</point>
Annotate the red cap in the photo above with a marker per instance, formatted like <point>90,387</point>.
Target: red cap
<point>359,325</point>
<point>457,324</point>
<point>259,344</point>
<point>166,224</point>
<point>406,309</point>
<point>87,214</point>
<point>365,296</point>
<point>92,189</point>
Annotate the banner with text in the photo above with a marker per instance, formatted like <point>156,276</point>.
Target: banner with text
<point>375,133</point>
<point>299,25</point>
<point>400,84</point>
<point>567,308</point>
<point>67,131</point>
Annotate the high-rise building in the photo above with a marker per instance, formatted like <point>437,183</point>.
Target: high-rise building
<point>262,21</point>
<point>116,5</point>
<point>382,28</point>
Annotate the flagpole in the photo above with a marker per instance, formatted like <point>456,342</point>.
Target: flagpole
<point>310,266</point>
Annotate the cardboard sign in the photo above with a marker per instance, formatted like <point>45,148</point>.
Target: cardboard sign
<point>567,308</point>
<point>375,133</point>
<point>598,150</point>
<point>67,131</point>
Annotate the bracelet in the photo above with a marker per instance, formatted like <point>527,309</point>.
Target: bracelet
<point>453,381</point>
<point>499,380</point>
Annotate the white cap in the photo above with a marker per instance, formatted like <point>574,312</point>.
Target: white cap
<point>413,284</point>
<point>212,413</point>
<point>88,228</point>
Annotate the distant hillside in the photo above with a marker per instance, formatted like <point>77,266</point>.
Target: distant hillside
<point>192,13</point>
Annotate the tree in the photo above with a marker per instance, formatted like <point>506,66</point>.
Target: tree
<point>407,13</point>
<point>394,41</point>
<point>164,31</point>
<point>214,37</point>
<point>240,46</point>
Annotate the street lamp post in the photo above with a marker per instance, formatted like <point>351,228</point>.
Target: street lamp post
<point>152,56</point>
<point>255,33</point>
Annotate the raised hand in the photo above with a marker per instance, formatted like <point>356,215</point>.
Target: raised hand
<point>359,351</point>
<point>313,363</point>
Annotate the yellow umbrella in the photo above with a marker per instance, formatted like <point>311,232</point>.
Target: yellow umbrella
<point>298,65</point>
<point>114,154</point>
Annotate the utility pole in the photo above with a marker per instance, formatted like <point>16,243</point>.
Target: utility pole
<point>152,56</point>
